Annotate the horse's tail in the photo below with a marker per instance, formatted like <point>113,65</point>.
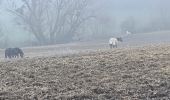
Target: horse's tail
<point>8,53</point>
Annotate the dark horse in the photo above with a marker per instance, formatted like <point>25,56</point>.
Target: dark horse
<point>13,53</point>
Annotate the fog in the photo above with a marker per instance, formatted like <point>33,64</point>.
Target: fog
<point>33,23</point>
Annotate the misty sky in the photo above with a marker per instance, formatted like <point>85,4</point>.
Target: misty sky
<point>136,8</point>
<point>118,9</point>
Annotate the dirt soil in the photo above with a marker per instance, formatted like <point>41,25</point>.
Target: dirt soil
<point>141,73</point>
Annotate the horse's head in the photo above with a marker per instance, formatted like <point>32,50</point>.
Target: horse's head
<point>120,39</point>
<point>21,53</point>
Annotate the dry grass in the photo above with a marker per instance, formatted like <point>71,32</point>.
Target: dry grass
<point>121,74</point>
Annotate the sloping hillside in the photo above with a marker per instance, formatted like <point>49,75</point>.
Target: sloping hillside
<point>121,74</point>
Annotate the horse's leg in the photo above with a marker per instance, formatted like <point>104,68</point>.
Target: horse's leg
<point>110,45</point>
<point>18,55</point>
<point>6,55</point>
<point>113,46</point>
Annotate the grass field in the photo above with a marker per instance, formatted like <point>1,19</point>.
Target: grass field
<point>136,73</point>
<point>137,70</point>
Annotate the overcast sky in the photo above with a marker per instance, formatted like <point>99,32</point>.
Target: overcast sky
<point>118,9</point>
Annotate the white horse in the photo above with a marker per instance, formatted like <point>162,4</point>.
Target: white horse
<point>128,33</point>
<point>114,41</point>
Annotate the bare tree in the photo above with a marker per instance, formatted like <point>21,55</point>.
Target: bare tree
<point>162,19</point>
<point>1,34</point>
<point>49,20</point>
<point>103,26</point>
